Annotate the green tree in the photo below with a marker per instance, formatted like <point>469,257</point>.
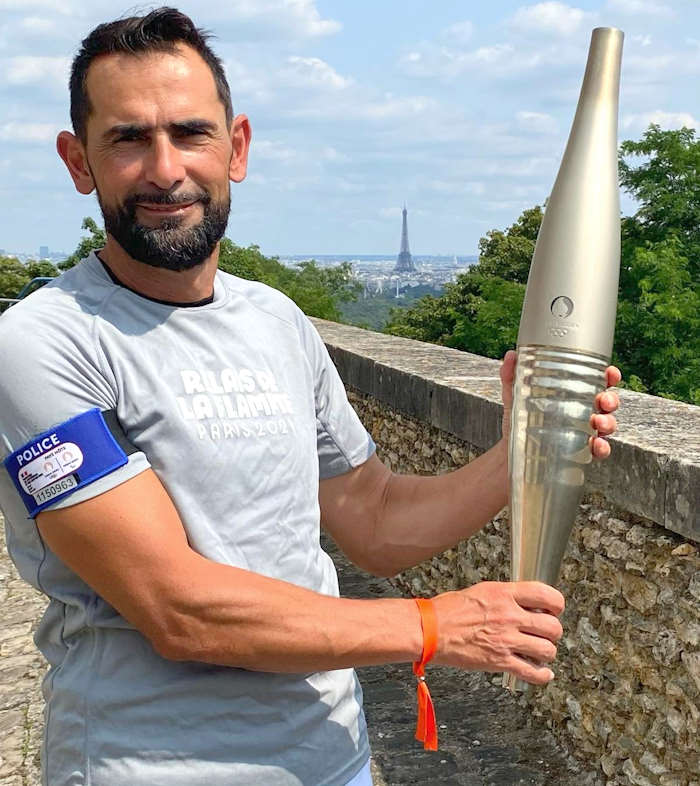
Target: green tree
<point>662,172</point>
<point>88,243</point>
<point>508,254</point>
<point>13,276</point>
<point>479,313</point>
<point>36,268</point>
<point>657,336</point>
<point>317,291</point>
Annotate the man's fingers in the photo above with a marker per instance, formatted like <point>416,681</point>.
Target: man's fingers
<point>600,448</point>
<point>536,595</point>
<point>613,375</point>
<point>534,673</point>
<point>508,365</point>
<point>535,648</point>
<point>604,424</point>
<point>543,625</point>
<point>607,401</point>
<point>507,370</point>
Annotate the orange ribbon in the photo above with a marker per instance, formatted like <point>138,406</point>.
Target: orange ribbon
<point>426,728</point>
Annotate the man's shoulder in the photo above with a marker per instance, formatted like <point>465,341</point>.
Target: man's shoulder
<point>59,309</point>
<point>265,299</point>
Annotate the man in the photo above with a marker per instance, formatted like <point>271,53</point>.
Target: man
<point>166,427</point>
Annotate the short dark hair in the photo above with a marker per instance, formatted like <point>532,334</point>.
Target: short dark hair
<point>159,31</point>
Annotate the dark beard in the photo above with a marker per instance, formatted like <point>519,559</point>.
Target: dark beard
<point>167,246</point>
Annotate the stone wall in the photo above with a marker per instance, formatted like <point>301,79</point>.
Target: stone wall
<point>627,692</point>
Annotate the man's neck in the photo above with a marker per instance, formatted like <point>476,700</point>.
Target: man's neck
<point>186,286</point>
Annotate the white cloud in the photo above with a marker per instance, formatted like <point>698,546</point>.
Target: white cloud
<point>37,24</point>
<point>635,7</point>
<point>642,40</point>
<point>538,122</point>
<point>62,6</point>
<point>272,150</point>
<point>668,120</point>
<point>491,54</point>
<point>27,132</point>
<point>430,61</point>
<point>550,17</point>
<point>331,154</point>
<point>246,82</point>
<point>313,72</point>
<point>300,16</point>
<point>459,32</point>
<point>658,68</point>
<point>521,167</point>
<point>456,187</point>
<point>393,107</point>
<point>31,69</point>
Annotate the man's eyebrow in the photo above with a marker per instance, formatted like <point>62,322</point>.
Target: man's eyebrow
<point>195,124</point>
<point>136,129</point>
<point>126,129</point>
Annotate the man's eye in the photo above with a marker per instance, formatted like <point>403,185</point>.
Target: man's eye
<point>129,139</point>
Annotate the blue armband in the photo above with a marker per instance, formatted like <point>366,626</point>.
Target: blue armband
<point>65,458</point>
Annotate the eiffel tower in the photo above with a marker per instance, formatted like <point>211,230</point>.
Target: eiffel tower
<point>404,262</point>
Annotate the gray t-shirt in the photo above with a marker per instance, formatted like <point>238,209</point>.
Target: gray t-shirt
<point>238,409</point>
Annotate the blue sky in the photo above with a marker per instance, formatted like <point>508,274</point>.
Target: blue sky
<point>460,109</point>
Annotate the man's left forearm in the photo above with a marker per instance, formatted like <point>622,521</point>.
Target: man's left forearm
<point>422,516</point>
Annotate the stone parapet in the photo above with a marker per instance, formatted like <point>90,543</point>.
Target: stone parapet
<point>654,470</point>
<point>627,693</point>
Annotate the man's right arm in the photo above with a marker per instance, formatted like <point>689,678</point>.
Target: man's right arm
<point>130,546</point>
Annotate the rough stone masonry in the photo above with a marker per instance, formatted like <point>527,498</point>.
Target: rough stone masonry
<point>626,697</point>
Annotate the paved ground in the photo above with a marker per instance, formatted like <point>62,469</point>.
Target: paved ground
<point>485,737</point>
<point>21,670</point>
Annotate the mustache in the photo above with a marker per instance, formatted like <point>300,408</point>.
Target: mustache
<point>167,198</point>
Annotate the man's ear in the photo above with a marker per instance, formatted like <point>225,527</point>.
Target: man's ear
<point>72,151</point>
<point>240,141</point>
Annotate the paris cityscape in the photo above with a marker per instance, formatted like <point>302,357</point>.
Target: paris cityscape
<point>379,274</point>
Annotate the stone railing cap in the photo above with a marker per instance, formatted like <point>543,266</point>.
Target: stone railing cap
<point>654,470</point>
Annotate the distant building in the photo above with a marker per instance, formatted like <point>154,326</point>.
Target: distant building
<point>404,262</point>
<point>43,252</point>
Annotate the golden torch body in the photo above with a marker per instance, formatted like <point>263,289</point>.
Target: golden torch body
<point>566,328</point>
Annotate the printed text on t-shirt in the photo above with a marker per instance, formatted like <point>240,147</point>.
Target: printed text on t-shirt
<point>230,396</point>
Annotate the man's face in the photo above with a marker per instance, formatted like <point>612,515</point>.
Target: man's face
<point>159,151</point>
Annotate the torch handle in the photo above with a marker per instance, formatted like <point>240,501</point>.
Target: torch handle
<point>553,398</point>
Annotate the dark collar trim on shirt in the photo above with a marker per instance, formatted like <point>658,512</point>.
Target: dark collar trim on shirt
<point>204,302</point>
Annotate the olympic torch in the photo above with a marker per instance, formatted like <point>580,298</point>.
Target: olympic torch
<point>566,328</point>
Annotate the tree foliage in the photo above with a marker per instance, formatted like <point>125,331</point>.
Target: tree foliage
<point>14,275</point>
<point>662,172</point>
<point>317,291</point>
<point>508,254</point>
<point>657,338</point>
<point>88,243</point>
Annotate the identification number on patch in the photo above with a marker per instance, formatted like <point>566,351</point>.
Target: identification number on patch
<point>59,487</point>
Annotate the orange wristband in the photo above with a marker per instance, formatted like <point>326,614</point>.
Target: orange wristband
<point>426,729</point>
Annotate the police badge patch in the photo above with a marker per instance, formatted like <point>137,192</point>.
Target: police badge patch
<point>65,458</point>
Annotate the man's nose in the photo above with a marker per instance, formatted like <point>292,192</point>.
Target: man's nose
<point>164,166</point>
